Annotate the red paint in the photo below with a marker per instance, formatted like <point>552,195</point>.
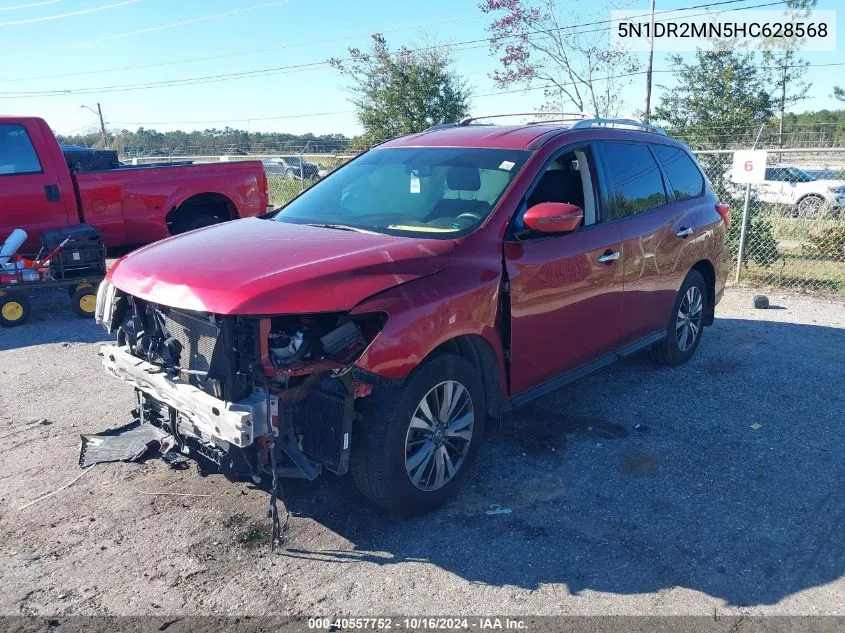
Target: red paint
<point>128,205</point>
<point>256,266</point>
<point>564,307</point>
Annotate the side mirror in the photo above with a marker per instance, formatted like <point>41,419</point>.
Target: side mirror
<point>553,217</point>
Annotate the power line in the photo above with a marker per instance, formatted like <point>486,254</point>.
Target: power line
<point>181,23</point>
<point>191,60</point>
<point>60,16</point>
<point>29,6</point>
<point>266,118</point>
<point>281,69</point>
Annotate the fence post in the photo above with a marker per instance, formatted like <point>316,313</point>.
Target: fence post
<point>743,234</point>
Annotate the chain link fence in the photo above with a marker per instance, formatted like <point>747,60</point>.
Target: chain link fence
<point>795,223</point>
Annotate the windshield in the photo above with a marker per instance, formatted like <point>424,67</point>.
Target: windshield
<point>426,191</point>
<point>800,175</point>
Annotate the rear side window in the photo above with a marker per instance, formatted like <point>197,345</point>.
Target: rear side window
<point>685,180</point>
<point>17,155</point>
<point>635,180</point>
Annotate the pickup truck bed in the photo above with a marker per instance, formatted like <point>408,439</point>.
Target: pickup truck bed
<point>127,205</point>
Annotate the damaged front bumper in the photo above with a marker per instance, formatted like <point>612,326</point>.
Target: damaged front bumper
<point>213,420</point>
<point>260,434</point>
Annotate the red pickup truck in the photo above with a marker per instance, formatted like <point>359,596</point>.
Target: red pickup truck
<point>40,188</point>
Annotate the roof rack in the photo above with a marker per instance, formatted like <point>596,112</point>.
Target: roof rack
<point>562,116</point>
<point>619,123</point>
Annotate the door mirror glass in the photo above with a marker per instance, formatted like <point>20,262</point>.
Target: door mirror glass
<point>553,217</point>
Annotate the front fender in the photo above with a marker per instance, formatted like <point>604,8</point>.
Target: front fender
<point>426,313</point>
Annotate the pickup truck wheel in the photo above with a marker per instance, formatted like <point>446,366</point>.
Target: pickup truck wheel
<point>290,174</point>
<point>196,221</point>
<point>685,325</point>
<point>14,310</point>
<point>415,444</point>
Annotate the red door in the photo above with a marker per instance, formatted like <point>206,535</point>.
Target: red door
<point>31,196</point>
<point>655,263</point>
<point>565,302</point>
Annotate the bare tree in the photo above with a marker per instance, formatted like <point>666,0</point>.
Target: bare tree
<point>574,66</point>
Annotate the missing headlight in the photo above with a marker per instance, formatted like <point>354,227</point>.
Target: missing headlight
<point>337,337</point>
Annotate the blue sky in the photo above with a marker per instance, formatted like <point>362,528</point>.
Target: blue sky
<point>73,45</point>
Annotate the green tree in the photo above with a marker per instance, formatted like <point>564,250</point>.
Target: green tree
<point>405,91</point>
<point>717,99</point>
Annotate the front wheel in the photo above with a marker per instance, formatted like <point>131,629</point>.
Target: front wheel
<point>683,333</point>
<point>415,443</point>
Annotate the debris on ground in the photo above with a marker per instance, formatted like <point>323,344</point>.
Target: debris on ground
<point>57,490</point>
<point>497,509</point>
<point>761,302</point>
<point>642,428</point>
<point>756,426</point>
<point>126,444</point>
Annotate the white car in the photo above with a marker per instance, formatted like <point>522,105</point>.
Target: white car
<point>790,185</point>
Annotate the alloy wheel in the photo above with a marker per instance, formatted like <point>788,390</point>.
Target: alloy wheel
<point>439,435</point>
<point>688,323</point>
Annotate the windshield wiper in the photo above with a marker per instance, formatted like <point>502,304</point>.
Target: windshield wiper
<point>341,227</point>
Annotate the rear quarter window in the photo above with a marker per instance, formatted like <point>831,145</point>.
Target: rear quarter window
<point>685,179</point>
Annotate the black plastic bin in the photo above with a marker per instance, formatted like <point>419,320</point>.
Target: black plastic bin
<point>83,256</point>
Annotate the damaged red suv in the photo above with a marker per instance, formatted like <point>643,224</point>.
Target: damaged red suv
<point>381,320</point>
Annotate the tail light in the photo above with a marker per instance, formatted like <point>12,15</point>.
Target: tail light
<point>725,211</point>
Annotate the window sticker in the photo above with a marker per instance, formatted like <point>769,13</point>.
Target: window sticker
<point>507,165</point>
<point>415,184</point>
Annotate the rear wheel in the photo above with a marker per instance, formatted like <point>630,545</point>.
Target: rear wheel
<point>84,302</point>
<point>415,444</point>
<point>683,333</point>
<point>14,310</point>
<point>809,207</point>
<point>196,220</point>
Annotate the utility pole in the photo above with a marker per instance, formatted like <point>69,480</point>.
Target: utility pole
<point>647,114</point>
<point>99,113</point>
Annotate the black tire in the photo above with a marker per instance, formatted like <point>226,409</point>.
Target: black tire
<point>809,207</point>
<point>196,220</point>
<point>72,290</point>
<point>83,302</point>
<point>378,459</point>
<point>670,351</point>
<point>14,310</point>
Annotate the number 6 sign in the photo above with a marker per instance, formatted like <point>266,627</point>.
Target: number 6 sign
<point>749,166</point>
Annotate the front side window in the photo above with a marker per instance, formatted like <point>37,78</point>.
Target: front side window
<point>636,185</point>
<point>684,177</point>
<point>440,192</point>
<point>17,155</point>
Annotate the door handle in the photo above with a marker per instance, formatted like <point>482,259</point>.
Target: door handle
<point>684,231</point>
<point>608,257</point>
<point>52,193</point>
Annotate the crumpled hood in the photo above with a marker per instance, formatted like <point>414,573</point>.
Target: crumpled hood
<point>259,267</point>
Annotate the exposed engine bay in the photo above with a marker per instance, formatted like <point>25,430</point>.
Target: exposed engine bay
<point>252,395</point>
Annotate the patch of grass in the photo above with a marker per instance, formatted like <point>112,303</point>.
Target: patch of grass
<point>797,271</point>
<point>282,190</point>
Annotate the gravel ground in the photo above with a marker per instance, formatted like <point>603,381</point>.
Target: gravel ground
<point>639,490</point>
